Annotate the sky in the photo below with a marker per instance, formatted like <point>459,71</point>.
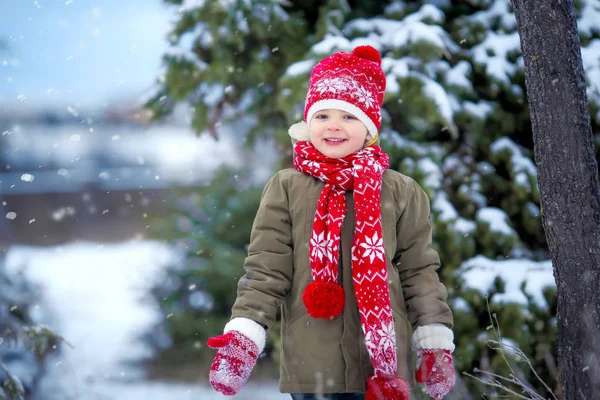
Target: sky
<point>80,52</point>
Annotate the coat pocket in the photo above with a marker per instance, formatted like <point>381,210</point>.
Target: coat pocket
<point>297,311</point>
<point>312,352</point>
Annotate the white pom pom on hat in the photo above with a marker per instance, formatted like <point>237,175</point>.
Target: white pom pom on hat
<point>299,131</point>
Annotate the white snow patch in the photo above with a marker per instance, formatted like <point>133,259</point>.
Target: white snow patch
<point>457,75</point>
<point>398,140</point>
<point>331,44</point>
<point>499,45</point>
<point>480,110</point>
<point>179,53</point>
<point>439,96</point>
<point>98,295</point>
<point>590,15</point>
<point>519,162</point>
<point>464,226</point>
<point>241,21</point>
<point>444,207</point>
<point>189,5</point>
<point>480,272</point>
<point>533,209</point>
<point>500,9</point>
<point>200,34</point>
<point>96,290</point>
<point>590,56</point>
<point>212,93</point>
<point>485,167</point>
<point>453,163</point>
<point>433,174</point>
<point>412,32</point>
<point>411,29</point>
<point>300,68</point>
<point>428,11</point>
<point>458,303</point>
<point>394,69</point>
<point>522,180</point>
<point>497,219</point>
<point>395,7</point>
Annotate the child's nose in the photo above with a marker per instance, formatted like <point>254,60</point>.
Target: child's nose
<point>334,125</point>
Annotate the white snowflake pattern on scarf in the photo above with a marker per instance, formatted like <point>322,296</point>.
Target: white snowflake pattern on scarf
<point>373,247</point>
<point>319,243</point>
<point>311,164</point>
<point>379,342</point>
<point>332,248</point>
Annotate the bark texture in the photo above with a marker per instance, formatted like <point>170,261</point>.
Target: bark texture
<point>568,183</point>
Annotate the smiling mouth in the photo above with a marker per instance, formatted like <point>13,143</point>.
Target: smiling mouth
<point>335,140</point>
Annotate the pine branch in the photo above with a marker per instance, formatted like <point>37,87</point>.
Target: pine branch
<point>11,387</point>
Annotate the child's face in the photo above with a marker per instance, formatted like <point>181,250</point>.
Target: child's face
<point>336,133</point>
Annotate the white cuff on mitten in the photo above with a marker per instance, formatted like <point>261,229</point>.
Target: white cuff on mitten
<point>433,336</point>
<point>249,328</point>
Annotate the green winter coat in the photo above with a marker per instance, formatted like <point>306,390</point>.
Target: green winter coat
<point>329,356</point>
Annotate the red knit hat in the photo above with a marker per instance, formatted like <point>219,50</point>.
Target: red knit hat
<point>354,83</point>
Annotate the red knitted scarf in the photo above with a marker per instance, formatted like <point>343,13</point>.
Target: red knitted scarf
<point>362,173</point>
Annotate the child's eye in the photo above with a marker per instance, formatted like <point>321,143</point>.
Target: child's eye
<point>350,116</point>
<point>321,116</point>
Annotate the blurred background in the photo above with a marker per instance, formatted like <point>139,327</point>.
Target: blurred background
<point>136,137</point>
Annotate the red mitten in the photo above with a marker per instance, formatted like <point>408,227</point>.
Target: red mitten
<point>435,370</point>
<point>234,362</point>
<point>379,388</point>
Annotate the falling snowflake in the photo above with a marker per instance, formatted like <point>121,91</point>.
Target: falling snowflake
<point>27,178</point>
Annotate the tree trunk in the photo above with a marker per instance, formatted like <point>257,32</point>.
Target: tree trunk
<point>568,183</point>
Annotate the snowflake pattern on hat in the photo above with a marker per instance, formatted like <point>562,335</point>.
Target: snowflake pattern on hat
<point>343,85</point>
<point>334,85</point>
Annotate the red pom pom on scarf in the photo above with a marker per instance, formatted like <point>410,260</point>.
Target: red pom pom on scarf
<point>324,299</point>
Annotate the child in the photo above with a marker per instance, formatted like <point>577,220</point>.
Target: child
<point>343,245</point>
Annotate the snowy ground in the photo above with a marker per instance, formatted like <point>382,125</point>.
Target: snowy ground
<point>96,295</point>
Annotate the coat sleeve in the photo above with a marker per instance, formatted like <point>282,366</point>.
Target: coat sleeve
<point>417,262</point>
<point>269,264</point>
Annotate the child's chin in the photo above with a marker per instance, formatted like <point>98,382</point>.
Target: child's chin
<point>335,153</point>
